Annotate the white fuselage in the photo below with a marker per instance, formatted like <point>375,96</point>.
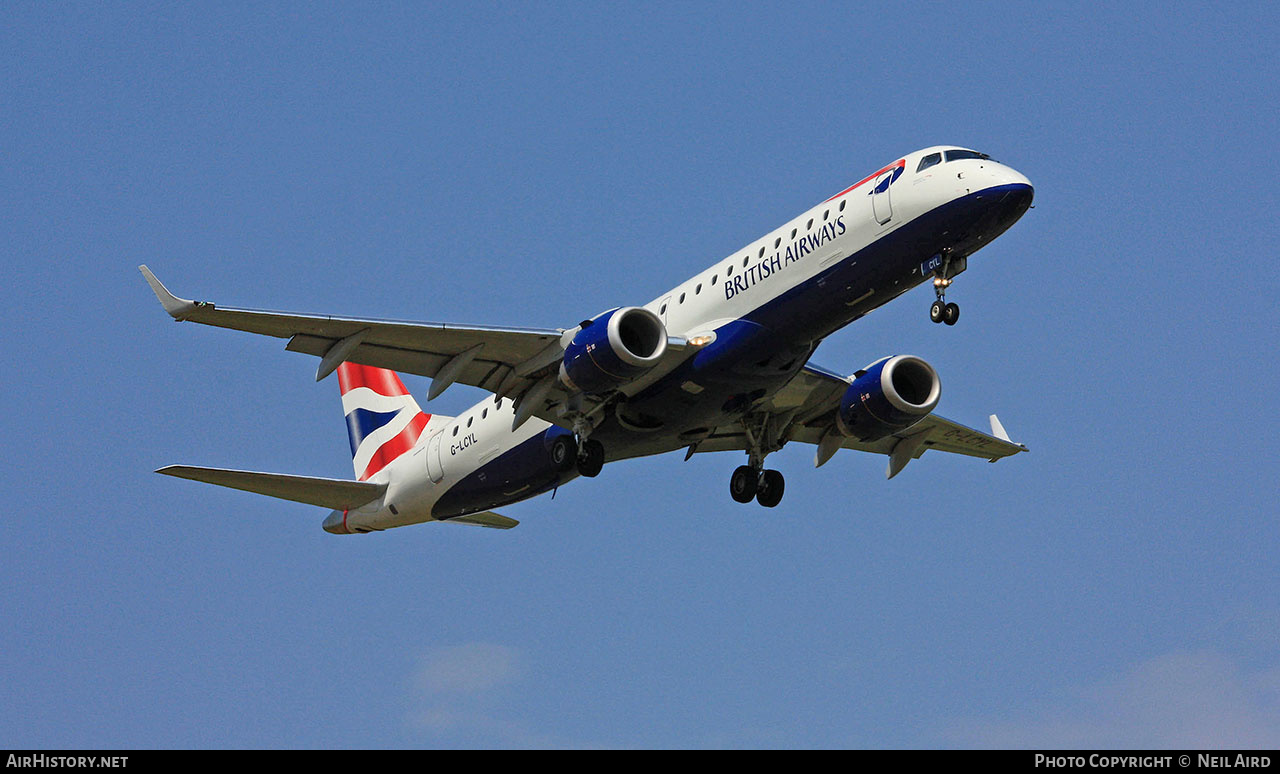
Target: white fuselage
<point>763,271</point>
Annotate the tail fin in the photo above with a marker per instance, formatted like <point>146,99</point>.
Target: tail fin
<point>383,419</point>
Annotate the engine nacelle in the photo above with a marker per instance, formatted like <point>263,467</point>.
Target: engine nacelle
<point>613,349</point>
<point>891,395</point>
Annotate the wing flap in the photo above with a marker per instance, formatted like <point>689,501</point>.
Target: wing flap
<point>333,493</point>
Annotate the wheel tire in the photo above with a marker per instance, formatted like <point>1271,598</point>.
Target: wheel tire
<point>937,311</point>
<point>591,461</point>
<point>772,485</point>
<point>564,452</point>
<point>951,314</point>
<point>744,483</point>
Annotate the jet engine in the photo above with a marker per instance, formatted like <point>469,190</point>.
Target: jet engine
<point>889,395</point>
<point>613,349</point>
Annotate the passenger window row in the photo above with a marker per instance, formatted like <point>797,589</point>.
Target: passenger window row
<point>746,259</point>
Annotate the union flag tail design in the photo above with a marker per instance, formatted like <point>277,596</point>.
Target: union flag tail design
<point>383,419</point>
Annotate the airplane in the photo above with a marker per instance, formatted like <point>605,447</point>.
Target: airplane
<point>721,362</point>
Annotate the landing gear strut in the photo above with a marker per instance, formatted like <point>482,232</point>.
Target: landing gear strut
<point>940,311</point>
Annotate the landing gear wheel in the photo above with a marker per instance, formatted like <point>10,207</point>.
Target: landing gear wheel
<point>591,459</point>
<point>770,489</point>
<point>564,452</point>
<point>937,311</point>
<point>744,483</point>
<point>950,314</point>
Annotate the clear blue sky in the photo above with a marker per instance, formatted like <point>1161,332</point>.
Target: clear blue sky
<point>533,164</point>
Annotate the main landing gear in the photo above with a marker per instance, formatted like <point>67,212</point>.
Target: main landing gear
<point>763,486</point>
<point>587,457</point>
<point>940,311</point>
<point>590,458</point>
<point>765,434</point>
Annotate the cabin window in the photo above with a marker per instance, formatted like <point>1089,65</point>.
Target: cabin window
<point>761,255</point>
<point>929,161</point>
<point>484,414</point>
<point>793,233</point>
<point>842,201</point>
<point>714,277</point>
<point>825,214</point>
<point>469,421</point>
<point>698,289</point>
<point>663,310</point>
<point>747,258</point>
<point>682,298</point>
<point>809,227</point>
<point>729,271</point>
<point>777,242</point>
<point>455,429</point>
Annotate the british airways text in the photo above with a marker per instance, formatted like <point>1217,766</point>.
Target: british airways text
<point>767,267</point>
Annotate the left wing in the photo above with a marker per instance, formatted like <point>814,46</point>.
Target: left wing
<point>809,403</point>
<point>500,360</point>
<point>519,363</point>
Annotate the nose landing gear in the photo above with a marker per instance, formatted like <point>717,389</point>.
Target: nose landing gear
<point>941,311</point>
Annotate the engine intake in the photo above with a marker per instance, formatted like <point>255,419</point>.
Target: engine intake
<point>891,395</point>
<point>613,349</point>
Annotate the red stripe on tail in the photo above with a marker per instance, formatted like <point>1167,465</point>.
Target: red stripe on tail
<point>380,380</point>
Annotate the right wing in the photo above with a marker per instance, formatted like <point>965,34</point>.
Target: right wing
<point>808,404</point>
<point>333,493</point>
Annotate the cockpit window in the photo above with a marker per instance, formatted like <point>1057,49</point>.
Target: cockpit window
<point>956,155</point>
<point>928,161</point>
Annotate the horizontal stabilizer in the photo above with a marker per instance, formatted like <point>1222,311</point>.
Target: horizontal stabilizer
<point>484,519</point>
<point>324,492</point>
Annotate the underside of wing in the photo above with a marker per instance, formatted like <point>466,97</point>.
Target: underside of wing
<point>324,492</point>
<point>808,404</point>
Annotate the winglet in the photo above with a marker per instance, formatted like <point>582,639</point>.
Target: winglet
<point>178,308</point>
<point>998,430</point>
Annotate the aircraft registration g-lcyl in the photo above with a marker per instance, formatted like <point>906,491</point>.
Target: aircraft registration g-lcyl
<point>718,363</point>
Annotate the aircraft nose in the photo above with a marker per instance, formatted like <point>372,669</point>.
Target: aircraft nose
<point>1009,196</point>
<point>1008,176</point>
